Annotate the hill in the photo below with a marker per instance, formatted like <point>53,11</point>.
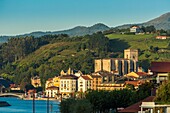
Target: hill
<point>144,43</point>
<point>76,31</point>
<point>48,55</point>
<point>161,22</point>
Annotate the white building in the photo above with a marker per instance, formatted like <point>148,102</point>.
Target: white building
<point>52,92</point>
<point>68,85</point>
<point>84,83</point>
<point>152,107</point>
<point>135,29</point>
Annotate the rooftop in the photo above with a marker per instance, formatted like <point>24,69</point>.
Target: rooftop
<point>136,107</point>
<point>86,77</point>
<point>160,67</point>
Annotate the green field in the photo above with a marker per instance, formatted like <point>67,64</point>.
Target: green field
<point>142,42</point>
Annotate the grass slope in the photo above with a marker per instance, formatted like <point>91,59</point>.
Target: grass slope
<point>142,42</point>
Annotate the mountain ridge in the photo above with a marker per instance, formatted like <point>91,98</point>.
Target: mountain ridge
<point>76,31</point>
<point>160,22</point>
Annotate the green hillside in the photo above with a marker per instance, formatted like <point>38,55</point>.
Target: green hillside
<point>149,47</point>
<point>47,56</point>
<point>22,58</point>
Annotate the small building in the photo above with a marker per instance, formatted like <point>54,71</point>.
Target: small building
<point>52,87</point>
<point>85,82</point>
<point>135,29</point>
<point>52,91</point>
<point>15,87</point>
<point>36,81</point>
<point>162,37</point>
<point>160,70</point>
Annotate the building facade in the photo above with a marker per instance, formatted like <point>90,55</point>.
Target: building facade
<point>84,83</point>
<point>68,85</point>
<point>161,70</point>
<point>135,29</point>
<point>117,65</point>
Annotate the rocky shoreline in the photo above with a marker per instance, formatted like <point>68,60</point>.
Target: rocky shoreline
<point>4,104</point>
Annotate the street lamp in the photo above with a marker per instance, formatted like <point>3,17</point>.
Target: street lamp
<point>48,103</point>
<point>33,103</point>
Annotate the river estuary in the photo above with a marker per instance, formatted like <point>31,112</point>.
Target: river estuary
<point>26,106</point>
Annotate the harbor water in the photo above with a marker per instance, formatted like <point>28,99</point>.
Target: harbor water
<point>26,106</point>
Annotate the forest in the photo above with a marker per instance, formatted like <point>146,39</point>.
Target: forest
<point>23,58</point>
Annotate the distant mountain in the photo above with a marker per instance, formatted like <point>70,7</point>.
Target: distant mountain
<point>161,22</point>
<point>76,31</point>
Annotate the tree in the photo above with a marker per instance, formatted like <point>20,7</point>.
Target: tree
<point>81,106</point>
<point>130,87</point>
<point>28,87</point>
<point>144,90</point>
<point>163,92</point>
<point>72,105</point>
<point>145,64</point>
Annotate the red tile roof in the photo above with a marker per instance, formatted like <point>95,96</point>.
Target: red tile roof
<point>52,87</point>
<point>86,78</point>
<point>142,73</point>
<point>135,82</point>
<point>160,67</point>
<point>50,79</point>
<point>136,107</point>
<point>68,77</point>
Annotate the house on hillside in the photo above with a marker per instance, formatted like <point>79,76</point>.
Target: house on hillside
<point>135,29</point>
<point>160,70</point>
<point>162,37</point>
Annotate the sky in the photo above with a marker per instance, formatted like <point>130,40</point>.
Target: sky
<point>25,16</point>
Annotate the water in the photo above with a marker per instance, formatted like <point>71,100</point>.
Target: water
<point>25,106</point>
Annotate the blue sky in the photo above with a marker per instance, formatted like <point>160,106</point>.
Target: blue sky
<point>24,16</point>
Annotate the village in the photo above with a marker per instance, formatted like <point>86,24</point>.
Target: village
<point>109,74</point>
